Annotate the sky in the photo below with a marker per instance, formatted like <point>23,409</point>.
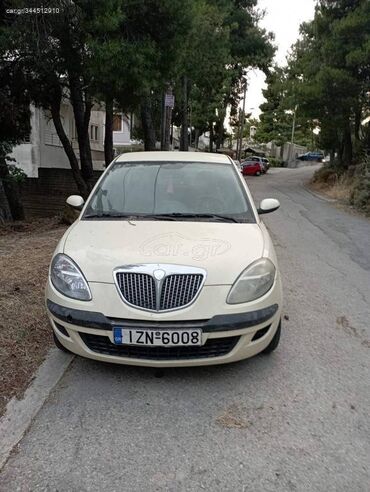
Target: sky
<point>283,18</point>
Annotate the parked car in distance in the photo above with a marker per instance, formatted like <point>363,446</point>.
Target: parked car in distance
<point>238,164</point>
<point>252,168</point>
<point>311,156</point>
<point>266,164</point>
<point>262,160</point>
<point>155,271</point>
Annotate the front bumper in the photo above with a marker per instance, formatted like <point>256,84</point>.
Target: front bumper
<point>226,338</point>
<point>230,332</point>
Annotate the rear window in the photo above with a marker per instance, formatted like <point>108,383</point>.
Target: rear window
<point>145,188</point>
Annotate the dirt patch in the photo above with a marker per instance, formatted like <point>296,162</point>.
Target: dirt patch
<point>232,418</point>
<point>25,336</point>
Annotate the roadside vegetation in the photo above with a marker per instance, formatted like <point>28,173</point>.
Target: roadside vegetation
<point>325,88</point>
<point>349,186</point>
<point>276,162</point>
<point>25,335</point>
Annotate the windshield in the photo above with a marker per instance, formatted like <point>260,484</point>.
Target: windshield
<point>188,189</point>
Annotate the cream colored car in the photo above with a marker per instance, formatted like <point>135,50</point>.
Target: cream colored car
<point>168,264</point>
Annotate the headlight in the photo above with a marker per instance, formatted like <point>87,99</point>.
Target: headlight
<point>68,279</point>
<point>253,283</point>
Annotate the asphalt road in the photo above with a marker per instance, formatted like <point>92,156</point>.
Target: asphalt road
<point>296,420</point>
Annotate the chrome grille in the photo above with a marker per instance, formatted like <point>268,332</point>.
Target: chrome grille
<point>159,287</point>
<point>179,290</point>
<point>138,289</point>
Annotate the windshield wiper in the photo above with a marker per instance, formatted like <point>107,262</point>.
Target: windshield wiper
<point>105,215</point>
<point>168,216</point>
<point>179,215</point>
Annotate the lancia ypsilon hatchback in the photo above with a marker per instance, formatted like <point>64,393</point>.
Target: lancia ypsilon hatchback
<point>168,264</point>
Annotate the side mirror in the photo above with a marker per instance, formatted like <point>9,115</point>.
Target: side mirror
<point>268,205</point>
<point>76,201</point>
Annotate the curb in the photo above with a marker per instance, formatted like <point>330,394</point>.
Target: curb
<point>19,413</point>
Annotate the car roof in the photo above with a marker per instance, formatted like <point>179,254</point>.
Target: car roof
<point>174,157</point>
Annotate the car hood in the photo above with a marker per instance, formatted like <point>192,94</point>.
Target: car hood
<point>224,250</point>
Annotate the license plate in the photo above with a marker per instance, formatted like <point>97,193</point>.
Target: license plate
<point>163,338</point>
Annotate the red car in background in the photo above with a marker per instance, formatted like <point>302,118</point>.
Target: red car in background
<point>251,168</point>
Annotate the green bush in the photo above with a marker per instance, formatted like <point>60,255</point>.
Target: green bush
<point>360,196</point>
<point>16,174</point>
<point>327,174</point>
<point>276,162</point>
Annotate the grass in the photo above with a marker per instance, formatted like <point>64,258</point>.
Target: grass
<point>25,335</point>
<point>339,187</point>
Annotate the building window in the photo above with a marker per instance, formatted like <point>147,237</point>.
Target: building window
<point>117,122</point>
<point>94,132</point>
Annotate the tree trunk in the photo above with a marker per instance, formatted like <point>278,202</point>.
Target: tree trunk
<point>347,145</point>
<point>166,122</point>
<point>108,137</point>
<point>358,123</point>
<point>196,138</point>
<point>184,137</point>
<point>219,134</point>
<point>211,137</point>
<point>68,149</point>
<point>81,104</point>
<point>220,128</point>
<point>167,134</point>
<point>5,213</point>
<point>12,193</point>
<point>147,124</point>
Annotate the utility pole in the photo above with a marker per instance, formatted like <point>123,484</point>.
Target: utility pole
<point>167,105</point>
<point>163,118</point>
<point>184,136</point>
<point>238,134</point>
<point>293,125</point>
<point>190,122</point>
<point>293,131</point>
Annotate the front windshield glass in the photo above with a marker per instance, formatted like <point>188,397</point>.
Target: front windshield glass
<point>144,189</point>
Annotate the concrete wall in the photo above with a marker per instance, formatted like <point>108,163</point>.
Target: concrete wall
<point>287,152</point>
<point>291,151</point>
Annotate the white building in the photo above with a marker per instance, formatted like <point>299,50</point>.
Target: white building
<point>43,149</point>
<point>122,130</point>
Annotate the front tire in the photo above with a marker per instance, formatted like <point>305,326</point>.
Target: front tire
<point>274,342</point>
